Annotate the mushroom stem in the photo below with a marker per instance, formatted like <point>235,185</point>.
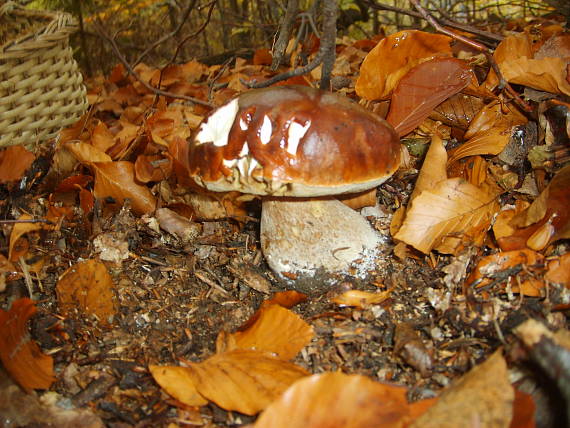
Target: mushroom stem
<point>303,236</point>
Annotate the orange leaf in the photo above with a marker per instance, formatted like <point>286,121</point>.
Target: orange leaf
<point>18,246</point>
<point>490,266</point>
<point>153,168</point>
<point>559,270</point>
<point>523,411</point>
<point>339,400</point>
<point>424,87</point>
<point>484,395</point>
<point>102,139</point>
<point>244,381</point>
<point>177,382</point>
<point>87,286</point>
<point>20,356</point>
<point>117,180</point>
<point>361,299</point>
<point>393,57</point>
<point>14,161</point>
<point>276,330</point>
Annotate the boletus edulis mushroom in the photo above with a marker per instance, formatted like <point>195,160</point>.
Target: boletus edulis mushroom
<point>297,147</point>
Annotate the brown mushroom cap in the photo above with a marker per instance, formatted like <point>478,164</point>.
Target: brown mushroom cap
<point>293,141</point>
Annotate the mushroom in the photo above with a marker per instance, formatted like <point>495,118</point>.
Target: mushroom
<point>297,147</point>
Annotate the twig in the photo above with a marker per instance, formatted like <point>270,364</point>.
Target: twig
<point>503,84</point>
<point>284,32</point>
<point>131,71</point>
<point>30,220</point>
<point>325,55</point>
<point>447,22</point>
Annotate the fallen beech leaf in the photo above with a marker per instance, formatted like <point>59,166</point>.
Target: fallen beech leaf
<point>179,226</point>
<point>559,270</point>
<point>393,57</point>
<point>496,265</point>
<point>483,397</point>
<point>360,200</point>
<point>14,161</point>
<point>153,168</point>
<point>423,88</point>
<point>409,346</point>
<point>117,180</point>
<point>177,382</point>
<point>434,169</point>
<point>244,381</point>
<point>545,70</point>
<point>20,356</point>
<point>276,330</point>
<point>87,286</point>
<point>453,212</point>
<point>458,111</point>
<point>361,299</point>
<point>548,213</point>
<point>17,248</point>
<point>337,400</point>
<point>86,153</point>
<point>287,299</point>
<point>489,132</point>
<point>102,139</point>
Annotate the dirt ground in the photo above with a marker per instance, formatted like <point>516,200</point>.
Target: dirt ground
<point>174,299</point>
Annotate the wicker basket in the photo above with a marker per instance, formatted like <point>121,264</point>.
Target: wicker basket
<point>41,87</point>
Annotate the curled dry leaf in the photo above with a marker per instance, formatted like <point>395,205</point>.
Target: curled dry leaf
<point>483,397</point>
<point>177,382</point>
<point>489,132</point>
<point>251,278</point>
<point>86,153</point>
<point>117,180</point>
<point>276,330</point>
<point>410,347</point>
<point>179,226</point>
<point>153,168</point>
<point>87,286</point>
<point>458,111</point>
<point>244,381</point>
<point>101,138</point>
<point>361,299</point>
<point>339,400</point>
<point>393,57</point>
<point>20,356</point>
<point>423,88</point>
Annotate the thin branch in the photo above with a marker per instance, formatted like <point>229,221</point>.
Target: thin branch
<point>503,84</point>
<point>133,73</point>
<point>447,22</point>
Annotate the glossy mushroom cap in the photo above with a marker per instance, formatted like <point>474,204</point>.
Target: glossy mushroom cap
<point>293,141</point>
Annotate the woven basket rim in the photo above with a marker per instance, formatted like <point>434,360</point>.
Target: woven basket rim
<point>60,26</point>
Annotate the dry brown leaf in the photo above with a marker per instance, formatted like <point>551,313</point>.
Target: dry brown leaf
<point>86,153</point>
<point>433,169</point>
<point>423,88</point>
<point>446,217</point>
<point>20,356</point>
<point>276,330</point>
<point>117,180</point>
<point>483,398</point>
<point>177,382</point>
<point>548,217</point>
<point>88,287</point>
<point>559,270</point>
<point>489,132</point>
<point>393,57</point>
<point>18,245</point>
<point>153,167</point>
<point>458,111</point>
<point>244,381</point>
<point>179,226</point>
<point>14,161</point>
<point>338,400</point>
<point>360,200</point>
<point>102,139</point>
<point>361,299</point>
<point>545,70</point>
<point>409,346</point>
<point>490,267</point>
